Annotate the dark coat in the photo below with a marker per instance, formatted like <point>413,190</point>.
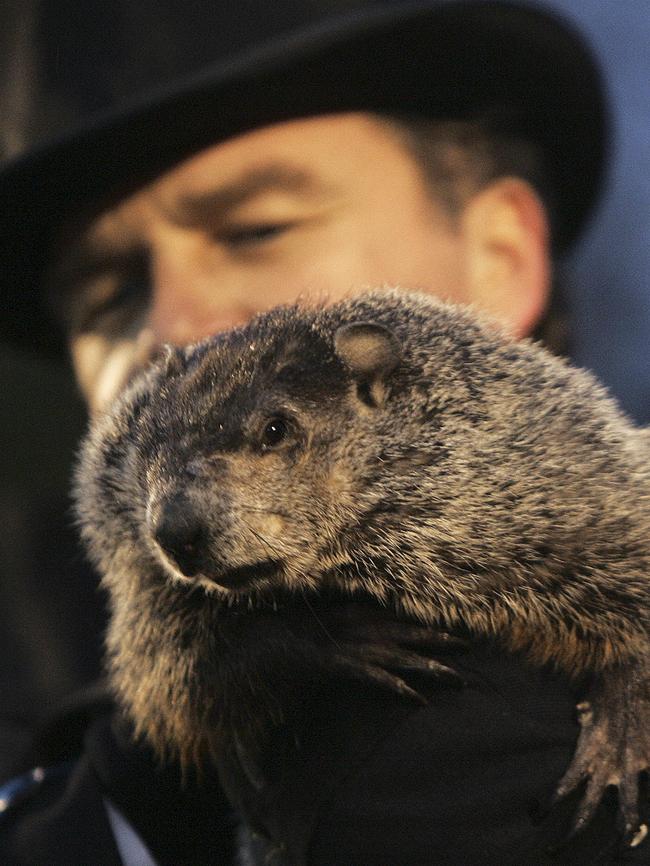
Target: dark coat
<point>359,778</point>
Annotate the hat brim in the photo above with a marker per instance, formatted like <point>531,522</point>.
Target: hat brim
<point>445,60</point>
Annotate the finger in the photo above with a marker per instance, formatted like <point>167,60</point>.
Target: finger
<point>573,777</point>
<point>588,805</point>
<point>393,658</point>
<point>628,807</point>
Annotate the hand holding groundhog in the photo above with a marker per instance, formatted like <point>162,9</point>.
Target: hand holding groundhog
<point>389,448</point>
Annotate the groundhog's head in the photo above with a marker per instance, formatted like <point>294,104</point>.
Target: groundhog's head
<point>261,457</point>
<point>361,446</point>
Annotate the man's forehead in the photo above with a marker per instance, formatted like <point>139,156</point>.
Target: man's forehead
<point>125,224</point>
<point>304,158</point>
<point>217,195</point>
<point>287,140</point>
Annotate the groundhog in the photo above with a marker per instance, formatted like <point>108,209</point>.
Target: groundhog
<point>391,448</point>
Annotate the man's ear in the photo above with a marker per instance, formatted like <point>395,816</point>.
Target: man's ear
<point>505,229</point>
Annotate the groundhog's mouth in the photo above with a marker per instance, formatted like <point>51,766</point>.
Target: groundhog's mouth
<point>246,576</point>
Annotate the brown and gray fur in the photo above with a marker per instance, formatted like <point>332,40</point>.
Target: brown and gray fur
<point>424,460</point>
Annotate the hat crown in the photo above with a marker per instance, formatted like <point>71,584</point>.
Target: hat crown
<point>65,61</point>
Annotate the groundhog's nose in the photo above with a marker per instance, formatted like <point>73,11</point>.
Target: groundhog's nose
<point>181,534</point>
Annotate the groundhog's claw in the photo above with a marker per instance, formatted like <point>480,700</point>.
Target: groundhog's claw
<point>369,672</point>
<point>613,749</point>
<point>378,663</point>
<point>363,622</point>
<point>367,642</point>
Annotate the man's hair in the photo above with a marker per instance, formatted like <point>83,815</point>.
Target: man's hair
<point>458,158</point>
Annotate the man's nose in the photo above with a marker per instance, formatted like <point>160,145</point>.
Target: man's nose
<point>190,296</point>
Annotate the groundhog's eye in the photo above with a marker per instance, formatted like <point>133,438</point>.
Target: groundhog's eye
<point>275,433</point>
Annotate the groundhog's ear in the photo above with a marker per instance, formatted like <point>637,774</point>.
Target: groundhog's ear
<point>371,352</point>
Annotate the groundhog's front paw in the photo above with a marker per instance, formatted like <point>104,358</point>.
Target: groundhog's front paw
<point>383,664</point>
<point>367,643</point>
<point>613,748</point>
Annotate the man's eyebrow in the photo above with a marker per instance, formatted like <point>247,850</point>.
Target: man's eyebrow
<point>192,208</point>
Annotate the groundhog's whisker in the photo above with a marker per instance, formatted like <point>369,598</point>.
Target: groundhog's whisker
<point>261,538</point>
<point>326,632</point>
<point>264,511</point>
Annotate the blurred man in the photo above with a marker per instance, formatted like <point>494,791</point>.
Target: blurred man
<point>233,161</point>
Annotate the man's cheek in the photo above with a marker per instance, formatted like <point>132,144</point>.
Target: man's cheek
<point>104,367</point>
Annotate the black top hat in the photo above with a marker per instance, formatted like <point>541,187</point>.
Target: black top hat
<point>108,94</point>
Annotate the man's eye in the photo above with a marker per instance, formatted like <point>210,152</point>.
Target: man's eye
<point>113,304</point>
<point>128,296</point>
<point>92,295</point>
<point>242,236</point>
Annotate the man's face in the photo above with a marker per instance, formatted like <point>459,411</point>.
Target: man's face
<point>310,209</point>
